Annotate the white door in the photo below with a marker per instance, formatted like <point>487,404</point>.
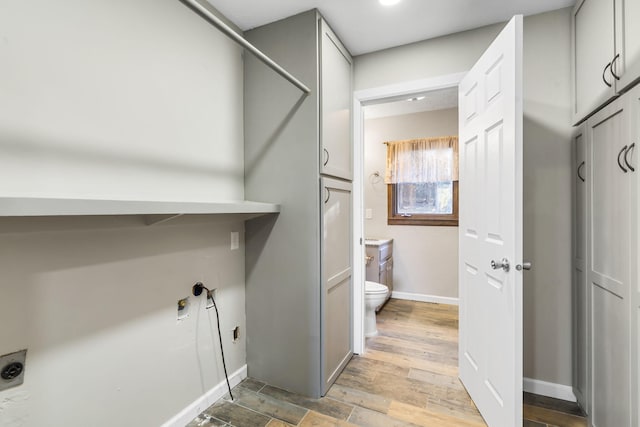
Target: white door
<point>490,352</point>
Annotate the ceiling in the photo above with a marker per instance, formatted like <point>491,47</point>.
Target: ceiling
<point>366,26</point>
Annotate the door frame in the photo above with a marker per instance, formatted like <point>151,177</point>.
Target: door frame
<point>362,98</point>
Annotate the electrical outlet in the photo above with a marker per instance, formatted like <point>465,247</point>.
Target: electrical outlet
<point>12,367</point>
<point>209,303</point>
<point>183,308</point>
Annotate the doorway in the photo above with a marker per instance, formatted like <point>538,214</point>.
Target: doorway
<point>380,98</point>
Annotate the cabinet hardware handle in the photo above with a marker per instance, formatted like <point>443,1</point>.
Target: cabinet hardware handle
<point>327,153</point>
<point>579,168</point>
<point>613,64</point>
<point>626,161</point>
<point>604,72</point>
<point>620,154</point>
<point>328,195</point>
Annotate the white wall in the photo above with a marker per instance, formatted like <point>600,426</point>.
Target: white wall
<point>94,300</point>
<point>125,99</point>
<point>547,127</point>
<point>131,99</point>
<point>425,258</point>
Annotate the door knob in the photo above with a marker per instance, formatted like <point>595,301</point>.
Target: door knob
<point>524,266</point>
<point>504,264</point>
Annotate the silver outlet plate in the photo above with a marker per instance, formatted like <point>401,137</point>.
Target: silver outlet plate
<point>12,366</point>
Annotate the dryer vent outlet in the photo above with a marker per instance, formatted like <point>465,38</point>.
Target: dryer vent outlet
<point>12,367</point>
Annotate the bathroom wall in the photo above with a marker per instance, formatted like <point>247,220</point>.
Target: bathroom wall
<point>547,128</point>
<point>133,99</point>
<point>425,257</point>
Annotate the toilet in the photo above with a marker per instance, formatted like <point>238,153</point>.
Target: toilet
<point>374,295</point>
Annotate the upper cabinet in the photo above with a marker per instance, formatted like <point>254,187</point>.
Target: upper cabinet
<point>335,101</point>
<point>627,67</point>
<point>605,52</point>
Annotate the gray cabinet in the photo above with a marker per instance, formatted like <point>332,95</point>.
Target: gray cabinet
<point>379,262</point>
<point>592,48</point>
<point>627,42</point>
<point>634,200</point>
<point>605,52</point>
<point>608,265</point>
<point>337,301</point>
<point>298,265</point>
<point>335,101</point>
<point>606,301</point>
<point>580,292</point>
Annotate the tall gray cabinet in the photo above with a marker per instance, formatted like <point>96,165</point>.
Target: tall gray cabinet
<point>298,153</point>
<point>606,263</point>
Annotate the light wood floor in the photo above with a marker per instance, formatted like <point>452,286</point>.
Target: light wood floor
<point>407,377</point>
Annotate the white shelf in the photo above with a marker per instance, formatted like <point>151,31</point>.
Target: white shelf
<point>154,211</point>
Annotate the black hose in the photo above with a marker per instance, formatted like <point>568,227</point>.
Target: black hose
<point>224,365</point>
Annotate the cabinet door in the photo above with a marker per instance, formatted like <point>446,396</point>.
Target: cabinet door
<point>390,275</point>
<point>335,102</point>
<point>580,289</point>
<point>627,66</point>
<point>634,110</point>
<point>372,263</point>
<point>592,50</point>
<point>609,222</point>
<point>336,298</point>
<point>382,273</point>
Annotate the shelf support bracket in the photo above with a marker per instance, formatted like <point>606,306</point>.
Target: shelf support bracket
<point>159,219</point>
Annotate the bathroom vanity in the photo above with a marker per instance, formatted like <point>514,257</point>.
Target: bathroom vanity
<point>379,262</point>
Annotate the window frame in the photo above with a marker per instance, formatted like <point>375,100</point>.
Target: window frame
<point>394,218</point>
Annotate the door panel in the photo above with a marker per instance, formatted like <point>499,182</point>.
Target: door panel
<point>490,97</point>
<point>335,101</point>
<point>593,34</point>
<point>627,42</point>
<point>581,300</point>
<point>610,359</point>
<point>609,225</point>
<point>336,298</point>
<point>610,209</point>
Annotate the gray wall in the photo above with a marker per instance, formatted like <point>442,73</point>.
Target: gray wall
<point>425,259</point>
<point>547,231</point>
<point>126,99</point>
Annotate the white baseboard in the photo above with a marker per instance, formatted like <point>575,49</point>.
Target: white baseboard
<point>544,388</point>
<point>424,298</point>
<point>209,398</point>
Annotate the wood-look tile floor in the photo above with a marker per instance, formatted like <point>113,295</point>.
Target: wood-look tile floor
<point>408,376</point>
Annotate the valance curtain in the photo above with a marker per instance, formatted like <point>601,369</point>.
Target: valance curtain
<point>422,160</point>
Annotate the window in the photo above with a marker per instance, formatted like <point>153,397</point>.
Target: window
<point>422,178</point>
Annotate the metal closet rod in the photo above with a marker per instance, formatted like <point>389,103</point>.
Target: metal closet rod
<point>229,32</point>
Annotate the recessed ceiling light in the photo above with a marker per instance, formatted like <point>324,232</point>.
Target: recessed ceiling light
<point>417,98</point>
<point>389,2</point>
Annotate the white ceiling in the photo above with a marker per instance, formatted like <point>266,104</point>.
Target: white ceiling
<point>433,100</point>
<point>366,26</point>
